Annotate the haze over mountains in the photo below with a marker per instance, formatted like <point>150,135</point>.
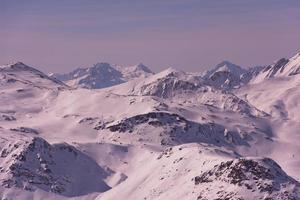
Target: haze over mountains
<point>111,132</point>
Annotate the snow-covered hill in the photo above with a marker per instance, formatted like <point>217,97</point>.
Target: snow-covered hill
<point>103,75</point>
<point>170,135</point>
<point>25,90</point>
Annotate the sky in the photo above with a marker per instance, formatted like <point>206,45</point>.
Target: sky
<point>192,35</point>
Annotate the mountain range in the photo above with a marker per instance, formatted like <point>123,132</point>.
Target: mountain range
<point>111,132</point>
<point>103,75</point>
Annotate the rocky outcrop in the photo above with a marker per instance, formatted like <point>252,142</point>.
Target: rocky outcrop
<point>236,179</point>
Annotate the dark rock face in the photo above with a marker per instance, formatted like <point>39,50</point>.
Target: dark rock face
<point>25,130</point>
<point>173,129</point>
<point>279,65</point>
<point>5,117</point>
<point>261,175</point>
<point>168,87</point>
<point>100,76</point>
<point>172,84</point>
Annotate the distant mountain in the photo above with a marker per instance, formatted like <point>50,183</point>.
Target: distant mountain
<point>103,75</point>
<point>226,75</point>
<point>135,71</point>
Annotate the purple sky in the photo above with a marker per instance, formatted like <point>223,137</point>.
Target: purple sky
<point>193,35</point>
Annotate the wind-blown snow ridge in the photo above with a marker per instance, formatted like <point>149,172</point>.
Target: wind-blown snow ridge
<point>281,68</point>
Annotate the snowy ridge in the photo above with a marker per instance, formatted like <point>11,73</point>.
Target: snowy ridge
<point>167,84</point>
<point>281,68</point>
<point>21,73</point>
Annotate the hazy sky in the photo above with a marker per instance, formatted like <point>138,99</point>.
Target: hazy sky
<point>60,35</point>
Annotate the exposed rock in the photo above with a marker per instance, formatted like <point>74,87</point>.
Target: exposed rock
<point>262,177</point>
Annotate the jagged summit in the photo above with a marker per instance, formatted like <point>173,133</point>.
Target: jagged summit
<point>226,66</point>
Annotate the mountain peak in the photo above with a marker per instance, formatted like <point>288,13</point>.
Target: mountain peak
<point>102,68</point>
<point>102,64</point>
<point>142,67</point>
<point>229,67</point>
<point>19,66</point>
<point>22,73</point>
<point>225,75</point>
<point>295,57</point>
<point>14,64</point>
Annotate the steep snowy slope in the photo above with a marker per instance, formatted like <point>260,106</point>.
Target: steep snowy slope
<point>281,68</point>
<point>194,171</point>
<point>103,75</point>
<point>20,73</point>
<point>279,96</point>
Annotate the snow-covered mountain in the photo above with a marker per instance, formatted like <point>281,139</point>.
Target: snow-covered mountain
<point>103,75</point>
<point>229,76</point>
<point>170,135</point>
<point>31,163</point>
<point>226,75</point>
